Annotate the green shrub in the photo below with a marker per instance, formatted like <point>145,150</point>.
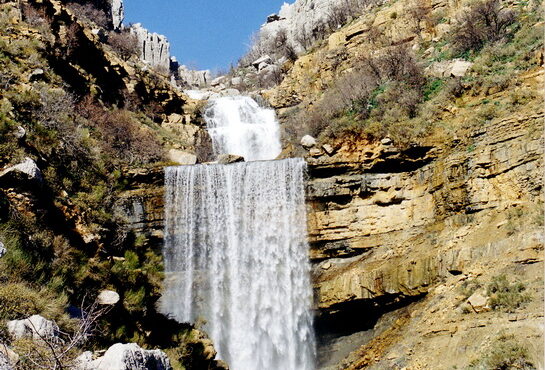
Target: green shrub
<point>505,353</point>
<point>506,296</point>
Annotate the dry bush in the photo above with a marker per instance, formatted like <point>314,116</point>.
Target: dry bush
<point>284,47</point>
<point>483,22</point>
<point>382,95</point>
<point>90,12</point>
<point>125,44</point>
<point>122,137</point>
<point>419,14</point>
<point>398,63</point>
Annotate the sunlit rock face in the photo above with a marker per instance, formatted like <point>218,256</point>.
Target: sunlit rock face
<point>155,48</point>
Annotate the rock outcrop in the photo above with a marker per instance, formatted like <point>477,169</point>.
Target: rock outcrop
<point>126,357</point>
<point>189,78</point>
<point>35,327</point>
<point>117,11</point>
<point>155,48</point>
<point>26,171</point>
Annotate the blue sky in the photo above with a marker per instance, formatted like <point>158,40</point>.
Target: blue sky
<point>203,34</point>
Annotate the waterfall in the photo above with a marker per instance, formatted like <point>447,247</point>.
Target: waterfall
<point>236,255</point>
<point>236,251</point>
<point>238,125</point>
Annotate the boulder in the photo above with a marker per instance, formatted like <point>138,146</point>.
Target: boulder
<point>386,141</point>
<point>308,141</point>
<point>449,68</point>
<point>19,132</point>
<point>273,18</point>
<point>108,298</point>
<point>36,75</point>
<point>329,149</point>
<point>236,81</point>
<point>180,157</point>
<point>3,250</point>
<point>26,170</point>
<point>262,62</point>
<point>478,302</point>
<point>192,78</point>
<point>229,158</point>
<point>5,363</point>
<point>35,327</point>
<point>217,81</point>
<point>126,357</point>
<point>459,68</point>
<point>315,152</point>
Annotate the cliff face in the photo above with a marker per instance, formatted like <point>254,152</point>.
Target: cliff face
<point>384,231</point>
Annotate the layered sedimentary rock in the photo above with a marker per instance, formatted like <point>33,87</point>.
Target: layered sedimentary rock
<point>155,48</point>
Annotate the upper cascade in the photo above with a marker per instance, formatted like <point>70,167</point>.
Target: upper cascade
<point>238,125</point>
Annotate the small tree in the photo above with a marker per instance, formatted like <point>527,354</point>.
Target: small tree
<point>483,22</point>
<point>125,44</point>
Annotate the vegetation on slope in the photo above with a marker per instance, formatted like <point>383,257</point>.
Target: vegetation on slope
<point>389,88</point>
<point>64,243</point>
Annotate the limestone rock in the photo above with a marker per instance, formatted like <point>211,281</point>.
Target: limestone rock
<point>296,17</point>
<point>26,170</point>
<point>229,158</point>
<point>459,68</point>
<point>5,360</point>
<point>36,75</point>
<point>315,152</point>
<point>117,13</point>
<point>262,62</point>
<point>217,81</point>
<point>35,327</point>
<point>191,78</point>
<point>478,302</point>
<point>180,157</point>
<point>449,68</point>
<point>108,298</point>
<point>308,141</point>
<point>236,81</point>
<point>386,141</point>
<point>273,18</point>
<point>126,357</point>
<point>19,132</point>
<point>3,250</point>
<point>155,48</point>
<point>329,149</point>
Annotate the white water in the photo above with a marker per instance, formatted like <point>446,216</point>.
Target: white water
<point>238,125</point>
<point>236,255</point>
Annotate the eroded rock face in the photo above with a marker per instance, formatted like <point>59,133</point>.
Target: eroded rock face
<point>118,13</point>
<point>406,219</point>
<point>191,78</point>
<point>301,16</point>
<point>155,48</point>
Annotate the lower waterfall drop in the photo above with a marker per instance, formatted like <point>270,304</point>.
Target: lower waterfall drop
<point>236,255</point>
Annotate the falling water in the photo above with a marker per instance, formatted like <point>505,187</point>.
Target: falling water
<point>238,125</point>
<point>236,253</point>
